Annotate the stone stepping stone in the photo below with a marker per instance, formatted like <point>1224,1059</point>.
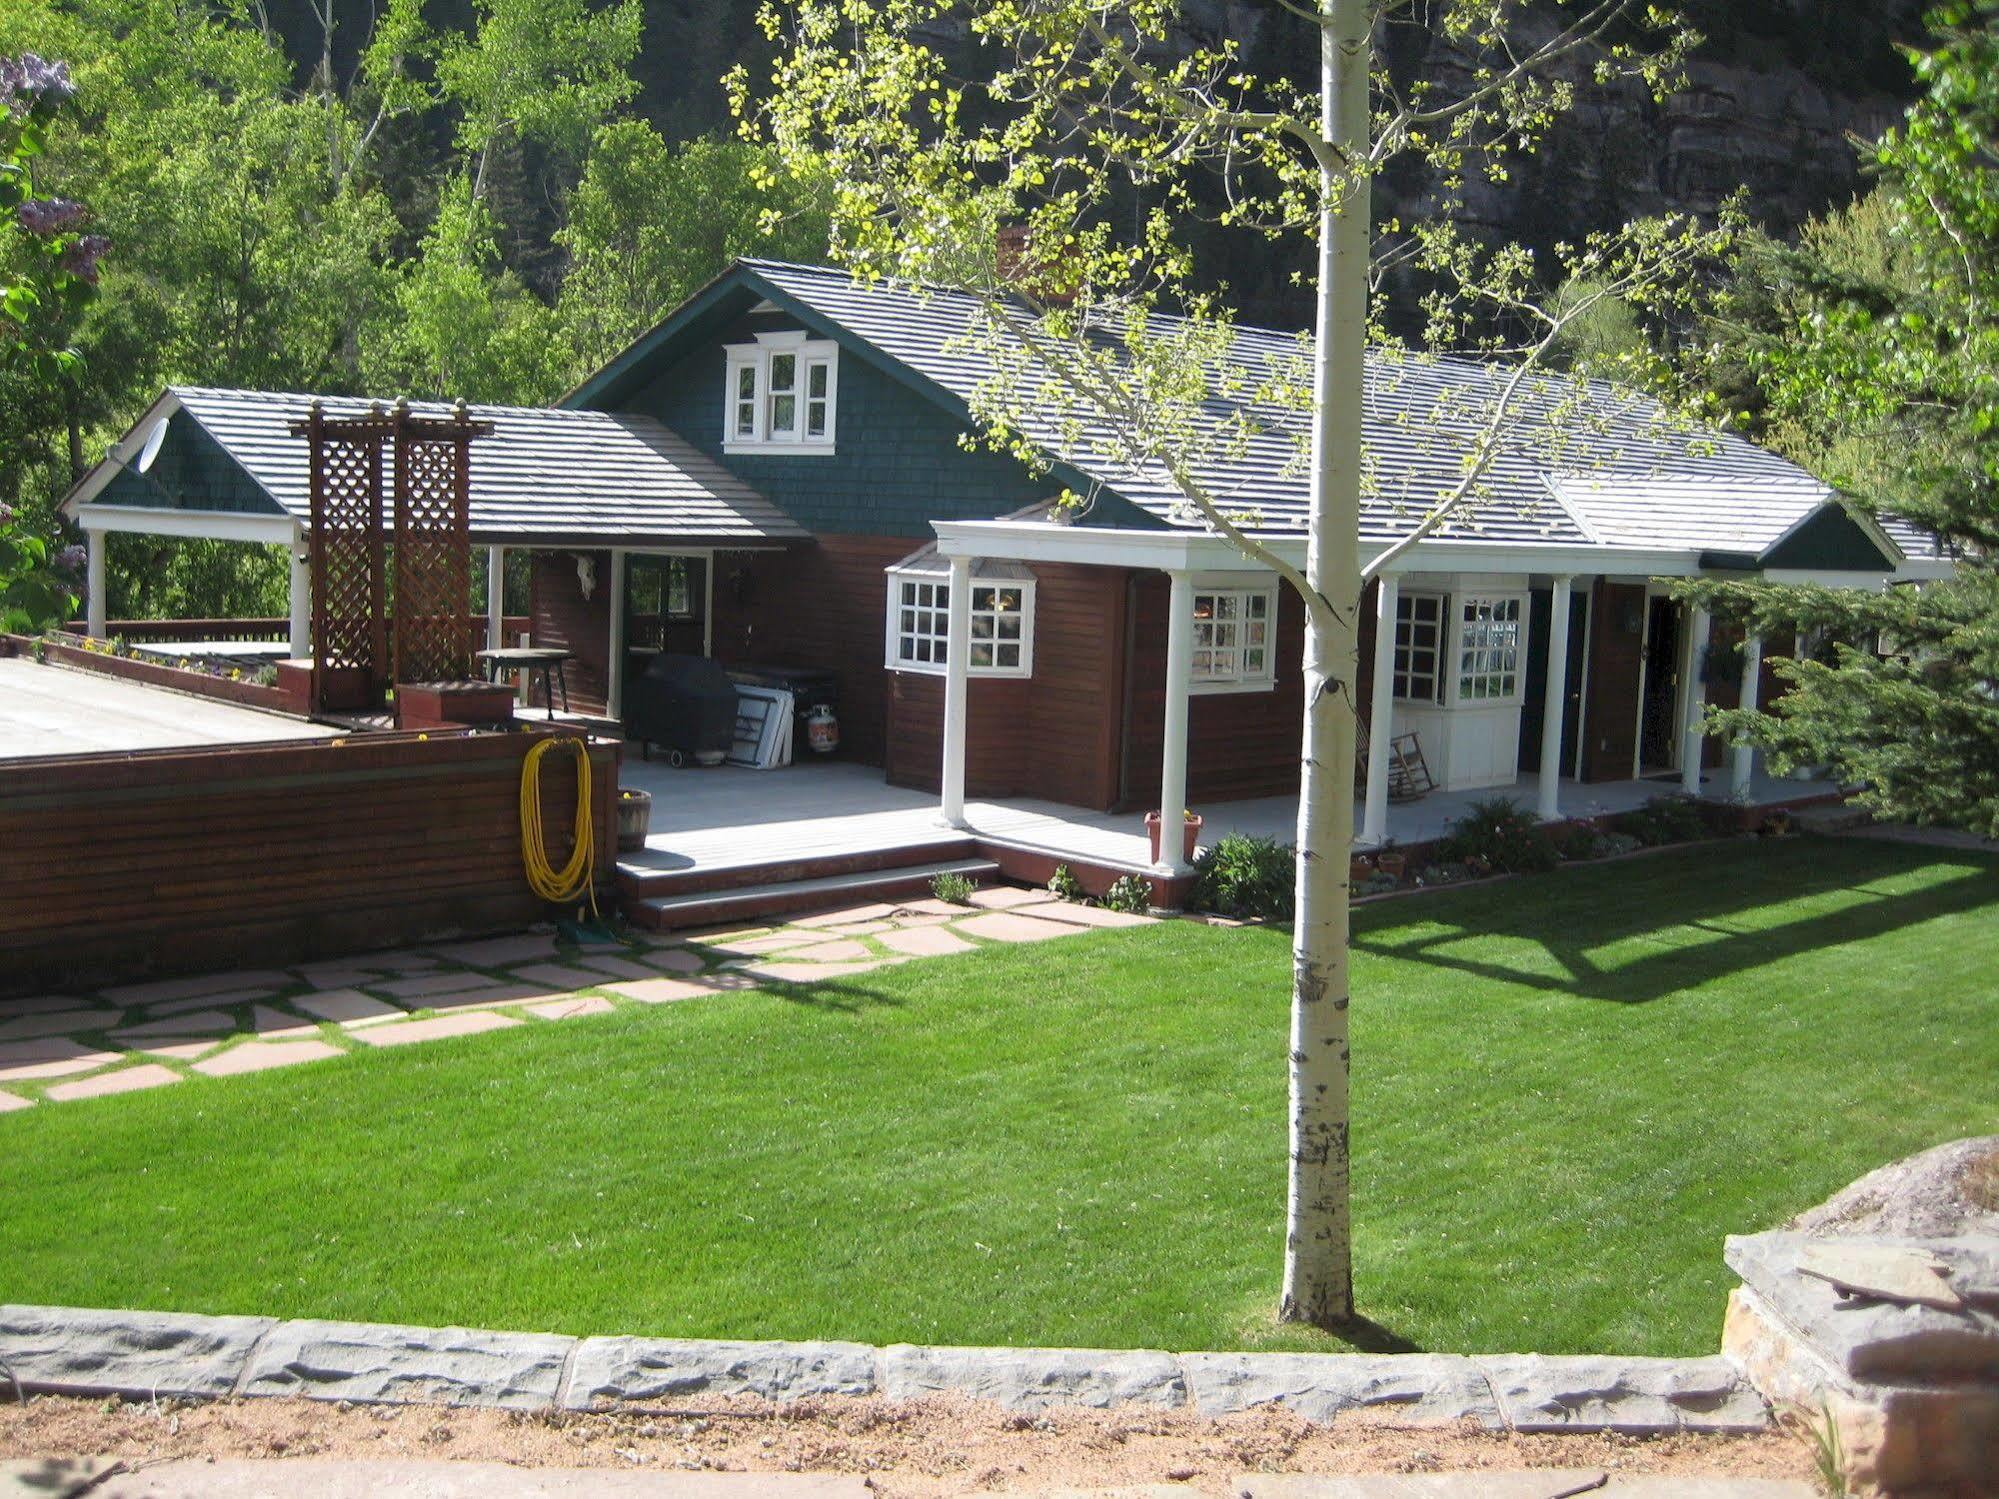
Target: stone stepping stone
<point>812,973</point>
<point>125,1080</point>
<point>562,976</point>
<point>674,960</point>
<point>38,1004</point>
<point>928,905</point>
<point>197,1023</point>
<point>438,1029</point>
<point>208,1001</point>
<point>63,1022</point>
<point>400,962</point>
<point>847,915</point>
<point>9,1102</point>
<point>770,942</point>
<point>1008,926</point>
<point>496,994</point>
<point>666,991</point>
<point>1081,915</point>
<point>278,1025</point>
<point>569,1009</point>
<point>625,968</point>
<point>180,1051</point>
<point>53,1056</point>
<point>844,951</point>
<point>1004,897</point>
<point>333,976</point>
<point>261,1056</point>
<point>499,952</point>
<point>348,1007</point>
<point>197,987</point>
<point>424,986</point>
<point>924,942</point>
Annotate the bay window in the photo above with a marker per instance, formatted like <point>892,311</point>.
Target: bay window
<point>1002,621</point>
<point>1234,639</point>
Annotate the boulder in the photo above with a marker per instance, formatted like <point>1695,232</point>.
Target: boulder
<point>1940,1193</point>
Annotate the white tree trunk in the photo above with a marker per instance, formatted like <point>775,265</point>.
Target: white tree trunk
<point>1318,1253</point>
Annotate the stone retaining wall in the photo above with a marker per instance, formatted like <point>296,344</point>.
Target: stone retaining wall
<point>141,1355</point>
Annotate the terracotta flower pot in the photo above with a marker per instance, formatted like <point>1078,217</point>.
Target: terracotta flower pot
<point>1392,865</point>
<point>1193,835</point>
<point>1358,869</point>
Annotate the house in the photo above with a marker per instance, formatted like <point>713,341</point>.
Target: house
<point>778,474</point>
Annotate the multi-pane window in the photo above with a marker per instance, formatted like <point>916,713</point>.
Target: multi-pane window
<point>781,391</point>
<point>1002,626</point>
<point>1419,645</point>
<point>1489,632</point>
<point>1233,636</point>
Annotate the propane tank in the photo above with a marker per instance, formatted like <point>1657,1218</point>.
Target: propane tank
<point>822,729</point>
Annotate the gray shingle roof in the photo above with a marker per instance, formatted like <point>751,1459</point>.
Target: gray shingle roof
<point>1422,415</point>
<point>575,475</point>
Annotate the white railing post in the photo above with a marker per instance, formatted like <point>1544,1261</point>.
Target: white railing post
<point>496,598</point>
<point>1173,747</point>
<point>1743,763</point>
<point>1692,741</point>
<point>957,653</point>
<point>1381,720</point>
<point>93,603</point>
<point>300,634</point>
<point>1553,708</point>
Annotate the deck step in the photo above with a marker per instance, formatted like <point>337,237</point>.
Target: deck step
<point>753,902</point>
<point>636,880</point>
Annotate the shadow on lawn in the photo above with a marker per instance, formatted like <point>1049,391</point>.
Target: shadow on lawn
<point>841,995</point>
<point>1691,895</point>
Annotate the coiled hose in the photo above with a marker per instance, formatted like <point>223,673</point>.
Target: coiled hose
<point>558,886</point>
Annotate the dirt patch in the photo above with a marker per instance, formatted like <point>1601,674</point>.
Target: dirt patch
<point>920,1448</point>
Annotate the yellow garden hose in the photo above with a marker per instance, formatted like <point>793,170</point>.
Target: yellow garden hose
<point>558,886</point>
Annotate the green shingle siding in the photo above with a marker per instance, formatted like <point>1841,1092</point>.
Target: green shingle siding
<point>897,463</point>
<point>191,472</point>
<point>1831,540</point>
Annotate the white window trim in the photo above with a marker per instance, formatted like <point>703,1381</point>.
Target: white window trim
<point>757,357</point>
<point>1265,681</point>
<point>1445,651</point>
<point>892,625</point>
<point>1455,660</point>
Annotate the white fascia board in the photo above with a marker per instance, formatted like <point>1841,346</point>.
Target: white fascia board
<point>1925,570</point>
<point>217,525</point>
<point>1044,541</point>
<point>1867,582</point>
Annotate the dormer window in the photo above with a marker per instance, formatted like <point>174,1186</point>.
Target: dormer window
<point>780,394</point>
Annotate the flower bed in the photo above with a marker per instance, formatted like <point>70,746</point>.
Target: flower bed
<point>104,657</point>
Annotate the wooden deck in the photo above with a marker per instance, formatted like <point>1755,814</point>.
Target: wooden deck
<point>729,818</point>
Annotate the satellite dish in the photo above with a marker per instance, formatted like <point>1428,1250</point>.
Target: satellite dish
<point>151,450</point>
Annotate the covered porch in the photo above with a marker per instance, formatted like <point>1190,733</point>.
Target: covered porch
<point>726,818</point>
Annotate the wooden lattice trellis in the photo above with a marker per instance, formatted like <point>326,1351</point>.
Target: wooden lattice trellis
<point>360,583</point>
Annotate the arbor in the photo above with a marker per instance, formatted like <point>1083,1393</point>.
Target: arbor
<point>1870,353</point>
<point>1102,130</point>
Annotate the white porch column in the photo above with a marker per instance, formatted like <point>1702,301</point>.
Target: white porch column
<point>1554,706</point>
<point>1381,720</point>
<point>614,693</point>
<point>93,604</point>
<point>496,598</point>
<point>957,653</point>
<point>1173,749</point>
<point>301,600</point>
<point>1743,759</point>
<point>1691,740</point>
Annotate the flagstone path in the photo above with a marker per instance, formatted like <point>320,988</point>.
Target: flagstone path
<point>91,1044</point>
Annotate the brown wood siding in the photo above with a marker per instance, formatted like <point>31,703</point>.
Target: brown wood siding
<point>821,606</point>
<point>268,854</point>
<point>562,618</point>
<point>1053,735</point>
<point>1610,717</point>
<point>1239,744</point>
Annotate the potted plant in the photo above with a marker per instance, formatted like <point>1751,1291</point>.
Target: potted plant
<point>1192,834</point>
<point>634,819</point>
<point>1359,867</point>
<point>1391,861</point>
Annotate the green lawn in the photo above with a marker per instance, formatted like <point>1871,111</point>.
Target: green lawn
<point>1567,1089</point>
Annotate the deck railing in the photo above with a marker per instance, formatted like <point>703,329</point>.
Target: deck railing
<point>146,631</point>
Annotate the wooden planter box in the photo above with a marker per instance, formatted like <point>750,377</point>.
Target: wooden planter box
<point>437,705</point>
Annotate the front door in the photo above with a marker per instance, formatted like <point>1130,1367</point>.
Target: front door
<point>666,609</point>
<point>1658,709</point>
